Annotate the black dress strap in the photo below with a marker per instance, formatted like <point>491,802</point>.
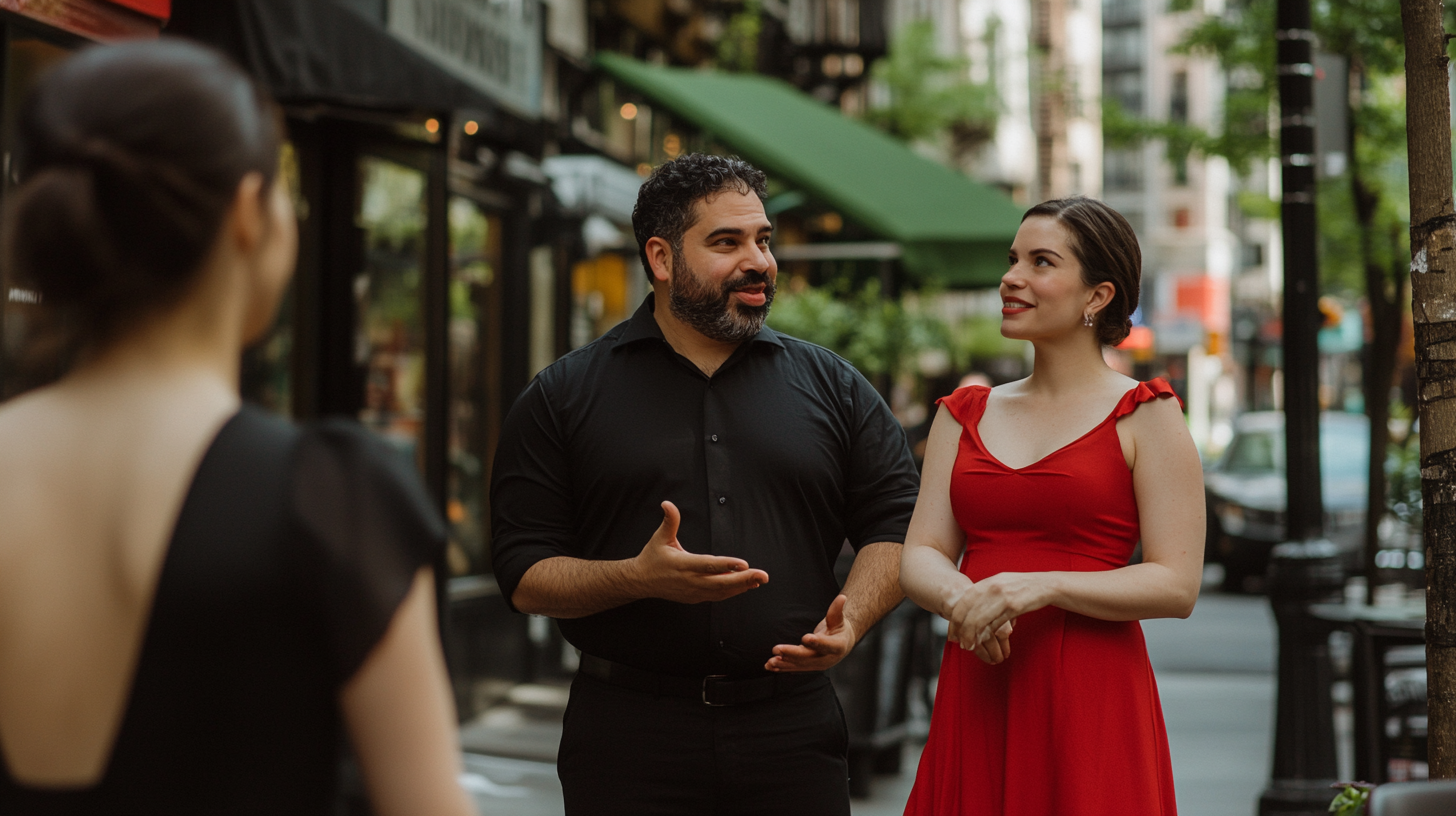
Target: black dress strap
<point>375,525</point>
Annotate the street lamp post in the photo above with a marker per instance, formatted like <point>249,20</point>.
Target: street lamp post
<point>1306,568</point>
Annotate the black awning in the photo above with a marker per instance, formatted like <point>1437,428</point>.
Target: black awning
<point>321,51</point>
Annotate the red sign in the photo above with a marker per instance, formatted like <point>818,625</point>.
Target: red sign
<point>160,9</point>
<point>1140,338</point>
<point>96,19</point>
<point>1205,299</point>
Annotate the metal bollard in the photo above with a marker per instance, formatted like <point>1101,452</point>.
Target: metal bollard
<point>1302,573</point>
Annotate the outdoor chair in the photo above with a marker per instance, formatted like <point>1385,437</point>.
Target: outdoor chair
<point>1414,799</point>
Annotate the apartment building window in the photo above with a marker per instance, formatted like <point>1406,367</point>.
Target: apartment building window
<point>1180,170</point>
<point>1073,98</point>
<point>1178,98</point>
<point>835,22</point>
<point>1122,47</point>
<point>1122,170</point>
<point>1253,255</point>
<point>1121,11</point>
<point>843,21</point>
<point>1126,87</point>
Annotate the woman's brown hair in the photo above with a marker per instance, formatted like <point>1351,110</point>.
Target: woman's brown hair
<point>128,158</point>
<point>1107,248</point>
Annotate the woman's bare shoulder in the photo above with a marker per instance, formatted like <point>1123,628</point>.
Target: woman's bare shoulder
<point>1159,424</point>
<point>1014,388</point>
<point>26,422</point>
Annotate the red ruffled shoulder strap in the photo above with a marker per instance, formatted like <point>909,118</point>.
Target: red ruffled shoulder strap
<point>1156,388</point>
<point>966,404</point>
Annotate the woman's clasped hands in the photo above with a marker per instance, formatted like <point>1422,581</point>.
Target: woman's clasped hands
<point>982,614</point>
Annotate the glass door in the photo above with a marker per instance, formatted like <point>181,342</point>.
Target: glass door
<point>389,336</point>
<point>474,381</point>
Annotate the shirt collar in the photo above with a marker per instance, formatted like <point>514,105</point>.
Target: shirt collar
<point>643,326</point>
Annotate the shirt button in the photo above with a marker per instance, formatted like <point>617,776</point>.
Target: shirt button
<point>722,499</point>
<point>714,437</point>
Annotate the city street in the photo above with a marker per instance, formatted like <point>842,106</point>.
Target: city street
<point>1215,674</point>
<point>434,301</point>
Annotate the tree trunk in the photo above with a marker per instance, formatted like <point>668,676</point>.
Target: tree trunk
<point>1385,312</point>
<point>1433,307</point>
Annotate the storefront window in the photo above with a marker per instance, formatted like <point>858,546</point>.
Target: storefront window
<point>267,369</point>
<point>599,296</point>
<point>389,343</point>
<point>20,308</point>
<point>474,260</point>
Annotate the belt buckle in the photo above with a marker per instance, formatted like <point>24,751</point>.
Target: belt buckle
<point>706,701</point>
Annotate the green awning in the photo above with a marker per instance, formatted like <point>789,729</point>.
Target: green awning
<point>950,228</point>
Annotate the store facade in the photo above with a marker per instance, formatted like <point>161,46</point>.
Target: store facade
<point>426,281</point>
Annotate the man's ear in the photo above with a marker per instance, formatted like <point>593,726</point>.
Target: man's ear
<point>659,256</point>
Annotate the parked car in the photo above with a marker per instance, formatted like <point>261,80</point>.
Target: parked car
<point>1245,490</point>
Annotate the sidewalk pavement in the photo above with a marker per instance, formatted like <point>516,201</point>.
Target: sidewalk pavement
<point>1215,676</point>
<point>1216,680</point>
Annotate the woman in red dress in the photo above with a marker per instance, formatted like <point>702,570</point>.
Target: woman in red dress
<point>1041,488</point>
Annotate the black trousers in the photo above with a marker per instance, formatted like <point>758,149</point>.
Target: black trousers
<point>636,754</point>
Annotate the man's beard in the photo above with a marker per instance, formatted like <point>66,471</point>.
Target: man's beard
<point>711,311</point>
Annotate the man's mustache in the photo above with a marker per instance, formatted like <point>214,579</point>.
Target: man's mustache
<point>749,279</point>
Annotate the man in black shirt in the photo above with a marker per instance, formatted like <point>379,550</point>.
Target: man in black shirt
<point>676,493</point>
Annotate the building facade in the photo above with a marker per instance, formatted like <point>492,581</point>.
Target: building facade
<point>1184,208</point>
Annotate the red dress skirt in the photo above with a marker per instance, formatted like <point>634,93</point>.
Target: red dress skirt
<point>1070,723</point>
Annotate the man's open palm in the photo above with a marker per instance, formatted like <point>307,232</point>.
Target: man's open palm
<point>828,644</point>
<point>672,573</point>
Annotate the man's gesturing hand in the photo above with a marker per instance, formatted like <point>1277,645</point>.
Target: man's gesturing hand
<point>668,571</point>
<point>830,641</point>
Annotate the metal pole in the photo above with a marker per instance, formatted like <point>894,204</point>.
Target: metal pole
<point>1301,268</point>
<point>1306,568</point>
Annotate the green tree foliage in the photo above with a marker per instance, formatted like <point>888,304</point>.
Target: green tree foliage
<point>931,94</point>
<point>1365,32</point>
<point>1242,42</point>
<point>738,49</point>
<point>977,339</point>
<point>1351,799</point>
<point>1362,212</point>
<point>876,334</point>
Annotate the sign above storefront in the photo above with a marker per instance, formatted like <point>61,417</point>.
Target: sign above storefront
<point>98,20</point>
<point>161,9</point>
<point>494,45</point>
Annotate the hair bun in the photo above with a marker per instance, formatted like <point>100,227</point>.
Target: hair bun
<point>63,254</point>
<point>130,156</point>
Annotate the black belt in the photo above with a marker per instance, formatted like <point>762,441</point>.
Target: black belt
<point>713,690</point>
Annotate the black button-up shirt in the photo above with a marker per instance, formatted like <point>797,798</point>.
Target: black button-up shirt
<point>778,458</point>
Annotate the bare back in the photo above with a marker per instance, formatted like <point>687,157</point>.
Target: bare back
<point>95,472</point>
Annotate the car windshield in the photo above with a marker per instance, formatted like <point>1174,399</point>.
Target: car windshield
<point>1344,452</point>
<point>1256,452</point>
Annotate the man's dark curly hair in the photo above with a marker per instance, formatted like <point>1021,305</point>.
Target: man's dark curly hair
<point>665,202</point>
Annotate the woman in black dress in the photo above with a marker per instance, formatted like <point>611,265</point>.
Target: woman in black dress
<point>197,601</point>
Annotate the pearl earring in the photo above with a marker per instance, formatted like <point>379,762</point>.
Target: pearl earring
<point>1087,319</point>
